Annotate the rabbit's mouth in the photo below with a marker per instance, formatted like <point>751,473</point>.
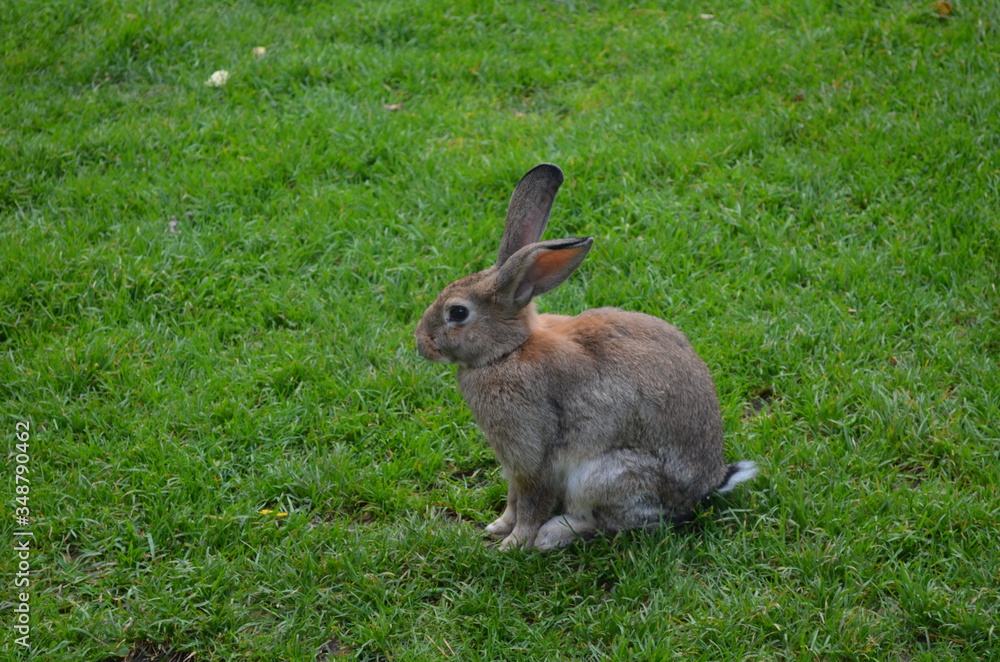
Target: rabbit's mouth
<point>428,350</point>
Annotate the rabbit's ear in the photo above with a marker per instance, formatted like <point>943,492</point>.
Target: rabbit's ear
<point>539,268</point>
<point>528,212</point>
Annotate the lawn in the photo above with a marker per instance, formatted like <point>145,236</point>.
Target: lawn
<point>232,451</point>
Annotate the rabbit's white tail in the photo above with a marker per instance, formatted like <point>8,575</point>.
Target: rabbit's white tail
<point>738,472</point>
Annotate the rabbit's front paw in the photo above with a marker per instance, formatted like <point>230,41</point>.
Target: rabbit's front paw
<point>501,527</point>
<point>519,539</point>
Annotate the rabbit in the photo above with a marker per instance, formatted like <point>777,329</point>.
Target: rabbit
<point>610,413</point>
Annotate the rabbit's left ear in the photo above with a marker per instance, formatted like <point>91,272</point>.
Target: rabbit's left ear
<point>528,212</point>
<point>539,268</point>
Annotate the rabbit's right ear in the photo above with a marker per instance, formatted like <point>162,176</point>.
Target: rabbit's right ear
<point>539,268</point>
<point>528,212</point>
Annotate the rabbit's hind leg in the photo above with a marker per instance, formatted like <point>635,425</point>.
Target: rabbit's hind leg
<point>618,490</point>
<point>623,489</point>
<point>564,530</point>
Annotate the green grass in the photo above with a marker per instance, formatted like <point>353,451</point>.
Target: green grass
<point>810,190</point>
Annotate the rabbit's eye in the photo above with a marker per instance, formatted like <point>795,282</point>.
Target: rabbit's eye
<point>458,313</point>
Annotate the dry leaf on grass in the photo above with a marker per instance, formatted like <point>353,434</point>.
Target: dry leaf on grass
<point>943,8</point>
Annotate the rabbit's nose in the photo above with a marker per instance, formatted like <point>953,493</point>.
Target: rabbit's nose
<point>427,349</point>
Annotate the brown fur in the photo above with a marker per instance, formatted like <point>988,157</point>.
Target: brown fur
<point>610,412</point>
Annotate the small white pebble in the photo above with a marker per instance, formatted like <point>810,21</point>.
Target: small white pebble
<point>218,79</point>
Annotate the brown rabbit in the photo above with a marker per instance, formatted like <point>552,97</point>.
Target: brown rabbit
<point>610,412</point>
